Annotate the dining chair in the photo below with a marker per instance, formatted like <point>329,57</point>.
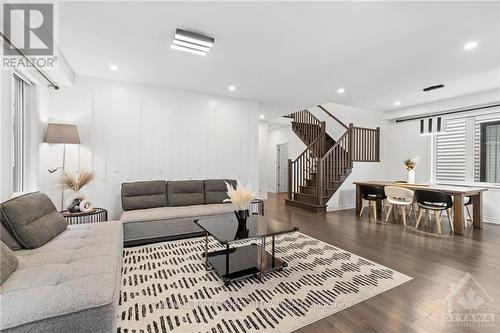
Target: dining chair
<point>467,204</point>
<point>401,198</point>
<point>436,202</point>
<point>372,194</point>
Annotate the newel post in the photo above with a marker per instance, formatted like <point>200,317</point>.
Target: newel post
<point>319,182</point>
<point>323,139</point>
<point>378,145</point>
<point>351,143</point>
<point>289,187</point>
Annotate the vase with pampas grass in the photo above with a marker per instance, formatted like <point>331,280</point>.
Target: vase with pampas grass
<point>241,197</point>
<point>76,201</point>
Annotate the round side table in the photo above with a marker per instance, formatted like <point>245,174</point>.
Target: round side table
<point>97,215</point>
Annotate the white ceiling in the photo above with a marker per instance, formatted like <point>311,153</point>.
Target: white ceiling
<point>292,55</point>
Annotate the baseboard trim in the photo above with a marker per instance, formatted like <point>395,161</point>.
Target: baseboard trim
<point>493,220</point>
<point>486,219</point>
<point>342,207</point>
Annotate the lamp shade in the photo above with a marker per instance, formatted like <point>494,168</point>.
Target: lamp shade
<point>62,133</point>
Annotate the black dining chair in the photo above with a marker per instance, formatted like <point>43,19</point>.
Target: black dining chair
<point>467,204</point>
<point>436,202</point>
<point>372,194</point>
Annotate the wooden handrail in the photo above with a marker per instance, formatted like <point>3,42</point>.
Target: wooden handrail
<point>331,115</point>
<point>307,149</point>
<point>336,144</point>
<point>366,128</point>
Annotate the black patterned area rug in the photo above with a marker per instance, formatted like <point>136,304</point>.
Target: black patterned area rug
<point>165,288</point>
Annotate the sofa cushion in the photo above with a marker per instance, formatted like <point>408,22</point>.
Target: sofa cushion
<point>8,262</point>
<point>70,284</point>
<point>185,193</point>
<point>169,213</point>
<point>216,190</point>
<point>7,238</point>
<point>159,213</point>
<point>211,209</point>
<point>145,194</point>
<point>32,219</point>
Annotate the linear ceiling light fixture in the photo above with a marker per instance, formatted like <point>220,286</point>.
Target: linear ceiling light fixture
<point>439,124</point>
<point>192,42</point>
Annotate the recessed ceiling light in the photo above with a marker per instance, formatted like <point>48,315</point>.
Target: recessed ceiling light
<point>192,42</point>
<point>397,103</point>
<point>261,116</point>
<point>340,91</point>
<point>470,45</point>
<point>231,88</point>
<point>113,67</point>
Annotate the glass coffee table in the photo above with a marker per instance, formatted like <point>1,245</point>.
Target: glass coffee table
<point>237,262</point>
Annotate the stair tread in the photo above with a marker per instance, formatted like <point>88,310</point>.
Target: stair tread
<point>310,195</point>
<point>332,181</point>
<point>314,187</point>
<point>305,203</point>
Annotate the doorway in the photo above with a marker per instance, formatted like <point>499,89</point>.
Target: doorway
<point>282,168</point>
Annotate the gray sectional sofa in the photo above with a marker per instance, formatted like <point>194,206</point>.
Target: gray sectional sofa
<point>162,210</point>
<point>60,278</point>
<point>64,278</point>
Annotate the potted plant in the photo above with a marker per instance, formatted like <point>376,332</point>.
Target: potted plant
<point>241,197</point>
<point>76,201</point>
<point>410,167</point>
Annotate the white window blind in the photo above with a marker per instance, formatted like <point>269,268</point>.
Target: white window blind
<point>451,152</point>
<point>458,150</point>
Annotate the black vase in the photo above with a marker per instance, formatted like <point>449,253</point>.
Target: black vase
<point>242,231</point>
<point>242,215</point>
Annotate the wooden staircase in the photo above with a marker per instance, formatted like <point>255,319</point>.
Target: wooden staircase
<point>318,172</point>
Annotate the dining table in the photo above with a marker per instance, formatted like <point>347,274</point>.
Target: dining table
<point>459,193</point>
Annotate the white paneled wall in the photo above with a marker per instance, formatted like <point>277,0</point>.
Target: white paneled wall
<point>137,132</point>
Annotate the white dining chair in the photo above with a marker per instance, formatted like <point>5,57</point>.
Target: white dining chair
<point>401,198</point>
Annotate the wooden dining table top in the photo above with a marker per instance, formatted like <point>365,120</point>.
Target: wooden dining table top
<point>451,189</point>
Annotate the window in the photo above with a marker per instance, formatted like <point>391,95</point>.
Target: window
<point>490,152</point>
<point>18,140</point>
<point>469,150</point>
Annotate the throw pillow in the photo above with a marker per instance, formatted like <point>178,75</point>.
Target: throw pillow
<point>32,219</point>
<point>8,262</point>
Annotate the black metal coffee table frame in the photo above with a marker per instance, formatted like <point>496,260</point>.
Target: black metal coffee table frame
<point>239,262</point>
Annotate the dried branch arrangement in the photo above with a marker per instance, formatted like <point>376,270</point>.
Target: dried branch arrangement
<point>76,181</point>
<point>240,197</point>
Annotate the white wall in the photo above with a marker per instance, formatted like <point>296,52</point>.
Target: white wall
<point>137,132</point>
<point>262,160</point>
<point>275,137</point>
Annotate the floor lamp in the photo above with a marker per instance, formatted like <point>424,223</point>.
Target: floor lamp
<point>62,134</point>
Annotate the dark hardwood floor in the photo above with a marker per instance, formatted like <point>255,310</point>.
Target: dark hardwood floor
<point>433,261</point>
